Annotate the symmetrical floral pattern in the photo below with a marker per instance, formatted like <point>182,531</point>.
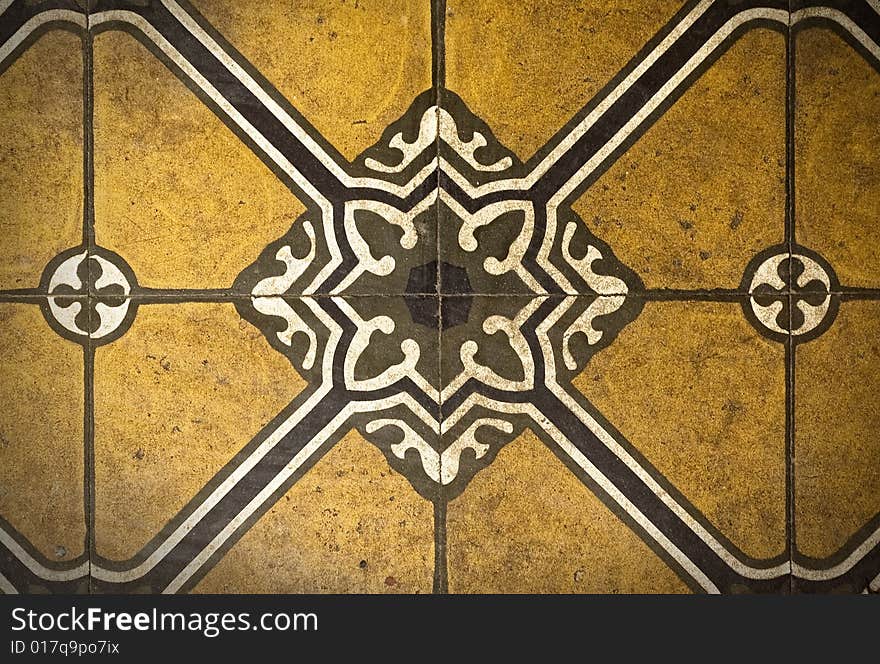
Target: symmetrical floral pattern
<point>791,294</point>
<point>439,295</point>
<point>488,347</point>
<point>89,295</point>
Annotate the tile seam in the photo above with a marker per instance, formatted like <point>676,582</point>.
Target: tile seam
<point>790,346</point>
<point>89,241</point>
<point>438,59</point>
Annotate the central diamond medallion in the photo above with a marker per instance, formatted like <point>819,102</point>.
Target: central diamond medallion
<point>440,297</point>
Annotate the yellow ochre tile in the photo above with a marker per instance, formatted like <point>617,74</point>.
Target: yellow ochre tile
<point>186,388</point>
<point>350,68</point>
<point>42,478</point>
<point>527,67</point>
<point>837,431</point>
<point>178,195</point>
<point>526,524</point>
<point>703,190</point>
<point>746,444</point>
<point>350,525</point>
<point>837,156</point>
<point>41,157</point>
<point>701,395</point>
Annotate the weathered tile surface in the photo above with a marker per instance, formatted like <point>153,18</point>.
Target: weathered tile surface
<point>699,393</point>
<point>350,68</point>
<point>407,297</point>
<point>704,189</point>
<point>175,399</point>
<point>836,155</point>
<point>41,152</point>
<point>333,532</point>
<point>178,195</point>
<point>837,479</point>
<point>41,435</point>
<point>539,62</point>
<point>527,525</point>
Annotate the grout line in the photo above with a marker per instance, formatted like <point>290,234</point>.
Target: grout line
<point>438,40</point>
<point>89,449</point>
<point>669,294</point>
<point>88,144</point>
<point>89,241</point>
<point>791,526</point>
<point>441,578</point>
<point>23,294</point>
<point>171,296</point>
<point>789,137</point>
<point>438,76</point>
<point>790,347</point>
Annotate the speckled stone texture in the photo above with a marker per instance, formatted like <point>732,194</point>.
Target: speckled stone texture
<point>160,199</point>
<point>526,525</point>
<point>425,296</point>
<point>41,487</point>
<point>175,399</point>
<point>836,148</point>
<point>704,190</point>
<point>41,179</point>
<point>351,68</point>
<point>837,478</point>
<point>702,396</point>
<point>352,524</point>
<point>539,62</point>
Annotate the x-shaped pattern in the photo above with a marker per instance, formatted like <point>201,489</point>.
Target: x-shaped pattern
<point>449,171</point>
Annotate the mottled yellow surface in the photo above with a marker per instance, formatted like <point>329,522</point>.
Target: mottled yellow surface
<point>528,67</point>
<point>691,385</point>
<point>698,392</point>
<point>703,190</point>
<point>837,156</point>
<point>186,388</point>
<point>350,68</point>
<point>526,524</point>
<point>837,434</point>
<point>41,433</point>
<point>350,525</point>
<point>41,159</point>
<point>178,195</point>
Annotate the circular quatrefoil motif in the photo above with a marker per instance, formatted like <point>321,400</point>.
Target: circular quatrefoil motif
<point>89,295</point>
<point>790,294</point>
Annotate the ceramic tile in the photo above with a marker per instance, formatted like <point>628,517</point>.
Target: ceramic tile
<point>837,479</point>
<point>701,396</point>
<point>836,155</point>
<point>163,202</point>
<point>350,68</point>
<point>331,532</point>
<point>176,398</point>
<point>42,455</point>
<point>539,63</point>
<point>703,189</point>
<point>835,161</point>
<point>41,153</point>
<point>410,297</point>
<point>527,525</point>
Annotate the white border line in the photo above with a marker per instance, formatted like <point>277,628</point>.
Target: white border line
<point>4,5</point>
<point>620,452</point>
<point>36,567</point>
<point>35,22</point>
<point>108,575</point>
<point>5,585</point>
<point>244,468</point>
<point>844,21</point>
